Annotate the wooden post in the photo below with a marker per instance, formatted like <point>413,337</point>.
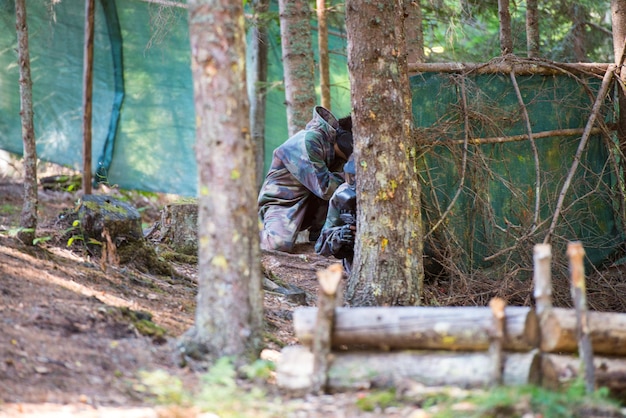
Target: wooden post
<point>542,276</point>
<point>329,281</point>
<point>576,255</point>
<point>497,306</point>
<point>87,94</point>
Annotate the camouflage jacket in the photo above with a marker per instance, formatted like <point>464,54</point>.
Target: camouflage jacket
<point>305,164</point>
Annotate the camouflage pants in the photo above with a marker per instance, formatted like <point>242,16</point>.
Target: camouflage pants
<point>281,224</point>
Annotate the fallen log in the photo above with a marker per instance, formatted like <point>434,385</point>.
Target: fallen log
<point>363,370</point>
<point>419,327</point>
<point>607,331</point>
<point>559,371</point>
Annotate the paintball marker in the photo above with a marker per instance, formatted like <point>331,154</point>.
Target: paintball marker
<point>346,203</point>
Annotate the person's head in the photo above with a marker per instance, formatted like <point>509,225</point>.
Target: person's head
<point>345,123</point>
<point>344,143</point>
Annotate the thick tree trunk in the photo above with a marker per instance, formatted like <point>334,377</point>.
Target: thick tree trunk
<point>257,88</point>
<point>532,28</point>
<point>388,267</point>
<point>298,62</point>
<point>322,41</point>
<point>28,217</point>
<point>364,370</point>
<point>421,327</point>
<point>229,303</point>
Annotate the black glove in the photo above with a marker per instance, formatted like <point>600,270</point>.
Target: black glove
<point>346,235</point>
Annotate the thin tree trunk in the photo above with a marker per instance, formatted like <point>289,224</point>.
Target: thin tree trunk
<point>579,17</point>
<point>618,17</point>
<point>87,94</point>
<point>229,311</point>
<point>28,217</point>
<point>506,38</point>
<point>388,251</point>
<point>257,84</point>
<point>298,63</point>
<point>322,40</point>
<point>532,28</point>
<point>414,31</point>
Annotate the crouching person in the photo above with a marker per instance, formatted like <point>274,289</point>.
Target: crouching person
<point>339,230</point>
<point>305,172</point>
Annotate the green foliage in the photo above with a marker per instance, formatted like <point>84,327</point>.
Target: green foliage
<point>377,400</point>
<point>517,401</point>
<point>220,393</point>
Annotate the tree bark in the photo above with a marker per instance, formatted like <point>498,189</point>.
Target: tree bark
<point>257,84</point>
<point>298,63</point>
<point>322,46</point>
<point>28,216</point>
<point>461,328</point>
<point>522,67</point>
<point>414,31</point>
<point>363,370</point>
<point>506,38</point>
<point>532,28</point>
<point>388,267</point>
<point>229,303</point>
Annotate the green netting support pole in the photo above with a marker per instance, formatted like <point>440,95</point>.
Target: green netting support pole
<point>115,37</point>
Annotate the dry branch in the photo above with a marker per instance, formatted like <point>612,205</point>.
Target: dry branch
<point>359,370</point>
<point>422,327</point>
<point>522,67</point>
<point>511,138</point>
<point>604,88</point>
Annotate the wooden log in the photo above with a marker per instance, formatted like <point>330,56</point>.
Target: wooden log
<point>329,280</point>
<point>560,370</point>
<point>607,331</point>
<point>363,370</point>
<point>464,328</point>
<point>542,277</point>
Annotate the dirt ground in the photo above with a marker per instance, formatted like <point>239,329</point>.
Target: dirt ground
<point>71,344</point>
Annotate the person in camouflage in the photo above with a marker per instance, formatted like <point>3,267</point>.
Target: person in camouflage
<point>305,171</point>
<point>338,232</point>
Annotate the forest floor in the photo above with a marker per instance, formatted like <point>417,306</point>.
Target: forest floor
<point>72,340</point>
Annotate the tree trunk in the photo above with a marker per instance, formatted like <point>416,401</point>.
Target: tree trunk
<point>414,31</point>
<point>579,19</point>
<point>87,93</point>
<point>532,28</point>
<point>618,15</point>
<point>28,217</point>
<point>466,328</point>
<point>298,63</point>
<point>388,268</point>
<point>257,84</point>
<point>506,38</point>
<point>322,41</point>
<point>229,304</point>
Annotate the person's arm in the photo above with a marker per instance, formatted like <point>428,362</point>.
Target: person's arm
<point>311,166</point>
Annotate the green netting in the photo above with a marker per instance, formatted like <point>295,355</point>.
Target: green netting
<point>493,222</point>
<point>144,129</point>
<point>143,111</point>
